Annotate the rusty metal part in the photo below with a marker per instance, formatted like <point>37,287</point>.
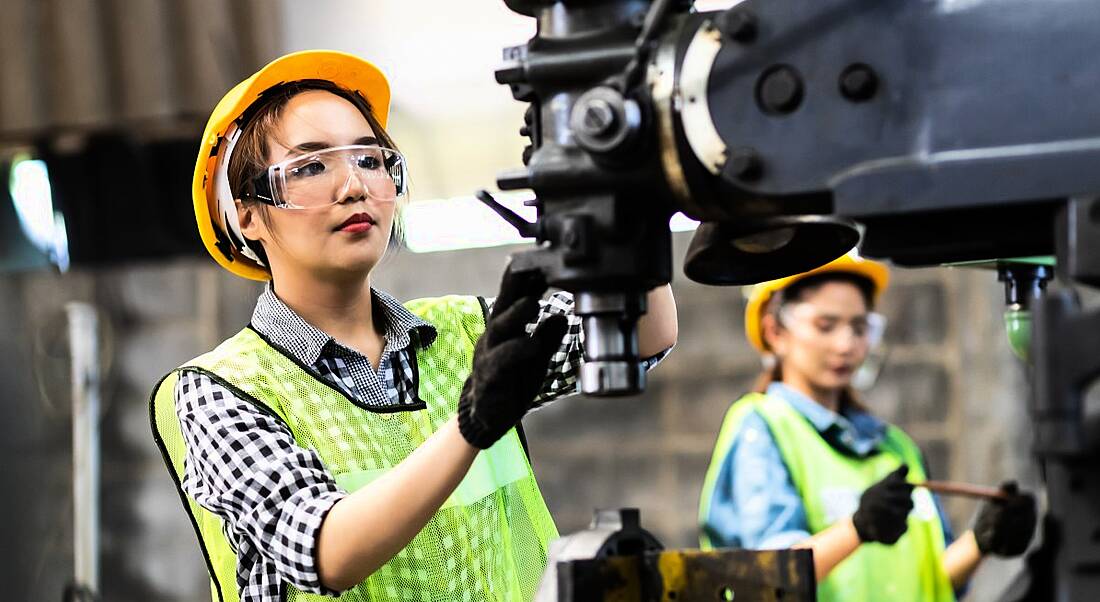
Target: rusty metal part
<point>688,575</point>
<point>964,489</point>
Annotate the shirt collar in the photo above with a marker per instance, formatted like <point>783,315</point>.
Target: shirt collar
<point>283,326</point>
<point>857,431</point>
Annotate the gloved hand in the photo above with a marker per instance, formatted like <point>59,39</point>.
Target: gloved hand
<point>1005,527</point>
<point>884,509</point>
<point>509,366</point>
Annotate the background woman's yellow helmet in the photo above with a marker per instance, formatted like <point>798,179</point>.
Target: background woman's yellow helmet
<point>762,293</point>
<point>214,211</point>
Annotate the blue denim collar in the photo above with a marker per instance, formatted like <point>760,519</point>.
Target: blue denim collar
<point>858,432</point>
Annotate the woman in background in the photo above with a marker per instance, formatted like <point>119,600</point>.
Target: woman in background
<point>801,463</point>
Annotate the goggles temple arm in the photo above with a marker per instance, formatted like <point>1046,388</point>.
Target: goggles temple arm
<point>261,189</point>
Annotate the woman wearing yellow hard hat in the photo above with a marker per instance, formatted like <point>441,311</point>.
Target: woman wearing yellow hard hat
<point>343,443</point>
<point>800,462</point>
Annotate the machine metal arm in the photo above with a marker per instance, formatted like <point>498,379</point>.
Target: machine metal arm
<point>949,130</point>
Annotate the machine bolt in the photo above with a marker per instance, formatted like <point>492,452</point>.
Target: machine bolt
<point>739,24</point>
<point>779,90</point>
<point>599,117</point>
<point>858,82</point>
<point>745,164</point>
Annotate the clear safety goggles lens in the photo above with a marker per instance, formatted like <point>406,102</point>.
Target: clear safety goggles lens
<point>331,175</point>
<point>807,320</point>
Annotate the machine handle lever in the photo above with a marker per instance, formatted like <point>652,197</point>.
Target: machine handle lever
<point>526,229</point>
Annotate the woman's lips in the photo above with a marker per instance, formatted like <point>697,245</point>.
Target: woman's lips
<point>356,227</point>
<point>360,222</point>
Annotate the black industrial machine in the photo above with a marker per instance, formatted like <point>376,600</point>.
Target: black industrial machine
<point>944,131</point>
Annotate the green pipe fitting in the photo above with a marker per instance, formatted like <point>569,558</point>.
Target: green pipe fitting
<point>1018,329</point>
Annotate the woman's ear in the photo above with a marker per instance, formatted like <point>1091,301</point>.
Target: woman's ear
<point>773,335</point>
<point>252,225</point>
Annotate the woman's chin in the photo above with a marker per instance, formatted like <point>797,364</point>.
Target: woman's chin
<point>353,267</point>
<point>832,381</point>
<point>362,258</point>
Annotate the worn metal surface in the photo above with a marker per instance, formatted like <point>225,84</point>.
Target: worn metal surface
<point>689,575</point>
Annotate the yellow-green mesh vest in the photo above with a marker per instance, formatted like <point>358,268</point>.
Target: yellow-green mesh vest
<point>830,484</point>
<point>487,542</point>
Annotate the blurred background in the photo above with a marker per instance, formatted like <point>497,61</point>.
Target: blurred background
<point>101,106</point>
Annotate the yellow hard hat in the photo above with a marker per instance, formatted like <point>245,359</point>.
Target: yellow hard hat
<point>762,293</point>
<point>214,209</point>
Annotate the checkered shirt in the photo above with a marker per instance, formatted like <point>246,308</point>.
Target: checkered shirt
<point>272,494</point>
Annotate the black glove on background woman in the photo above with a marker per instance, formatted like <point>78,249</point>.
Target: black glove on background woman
<point>1004,527</point>
<point>884,509</point>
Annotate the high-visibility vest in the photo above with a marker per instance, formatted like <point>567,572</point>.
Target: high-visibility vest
<point>830,484</point>
<point>487,542</point>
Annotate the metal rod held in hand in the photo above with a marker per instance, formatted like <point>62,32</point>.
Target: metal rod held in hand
<point>964,489</point>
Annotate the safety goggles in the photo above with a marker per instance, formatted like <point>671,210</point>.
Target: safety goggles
<point>325,177</point>
<point>807,321</point>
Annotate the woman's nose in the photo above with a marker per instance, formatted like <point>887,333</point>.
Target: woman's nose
<point>353,188</point>
<point>846,340</point>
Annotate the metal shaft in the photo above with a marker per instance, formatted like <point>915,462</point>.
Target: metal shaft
<point>611,362</point>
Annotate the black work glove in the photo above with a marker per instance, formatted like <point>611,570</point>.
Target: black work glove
<point>1004,527</point>
<point>509,366</point>
<point>884,509</point>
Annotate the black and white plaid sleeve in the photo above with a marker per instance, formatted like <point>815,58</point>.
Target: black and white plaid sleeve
<point>561,376</point>
<point>243,465</point>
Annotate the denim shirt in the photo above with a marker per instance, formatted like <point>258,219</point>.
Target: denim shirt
<point>755,504</point>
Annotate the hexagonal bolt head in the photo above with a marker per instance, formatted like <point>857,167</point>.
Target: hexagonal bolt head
<point>599,117</point>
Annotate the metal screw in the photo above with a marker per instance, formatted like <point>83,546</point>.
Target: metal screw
<point>739,24</point>
<point>599,116</point>
<point>745,164</point>
<point>779,90</point>
<point>858,82</point>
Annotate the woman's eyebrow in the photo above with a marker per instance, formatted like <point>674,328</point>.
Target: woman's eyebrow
<point>307,147</point>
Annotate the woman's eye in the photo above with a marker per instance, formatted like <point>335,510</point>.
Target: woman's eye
<point>369,162</point>
<point>312,168</point>
<point>825,326</point>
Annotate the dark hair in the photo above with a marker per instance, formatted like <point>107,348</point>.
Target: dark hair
<point>250,154</point>
<point>798,291</point>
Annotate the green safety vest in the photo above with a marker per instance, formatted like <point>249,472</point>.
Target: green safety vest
<point>487,542</point>
<point>830,484</point>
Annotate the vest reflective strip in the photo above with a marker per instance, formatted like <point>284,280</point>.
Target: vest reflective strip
<point>502,464</point>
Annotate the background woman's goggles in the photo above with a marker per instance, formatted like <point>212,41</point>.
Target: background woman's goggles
<point>808,321</point>
<point>331,175</point>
